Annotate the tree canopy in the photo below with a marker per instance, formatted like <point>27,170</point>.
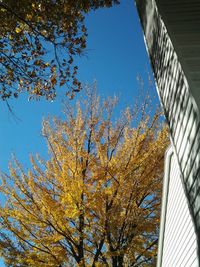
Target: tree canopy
<point>96,201</point>
<point>38,43</point>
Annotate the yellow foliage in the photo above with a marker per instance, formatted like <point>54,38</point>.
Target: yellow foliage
<point>18,30</point>
<point>96,201</point>
<point>30,29</point>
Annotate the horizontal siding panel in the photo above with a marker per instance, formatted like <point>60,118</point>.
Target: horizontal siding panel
<point>187,246</point>
<point>192,261</point>
<point>179,106</point>
<point>180,245</point>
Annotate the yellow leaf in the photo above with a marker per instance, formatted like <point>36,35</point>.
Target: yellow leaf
<point>18,30</point>
<point>53,80</point>
<point>29,16</point>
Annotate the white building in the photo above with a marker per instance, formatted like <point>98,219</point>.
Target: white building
<point>172,35</point>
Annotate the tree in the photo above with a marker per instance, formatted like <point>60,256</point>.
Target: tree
<point>39,40</point>
<point>96,201</point>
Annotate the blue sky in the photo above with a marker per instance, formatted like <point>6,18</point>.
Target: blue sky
<point>116,54</point>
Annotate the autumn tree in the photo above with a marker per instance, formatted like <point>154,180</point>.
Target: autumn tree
<point>96,201</point>
<point>38,42</point>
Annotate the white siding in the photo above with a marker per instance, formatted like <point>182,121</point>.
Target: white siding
<point>179,242</point>
<point>178,103</point>
<point>177,94</point>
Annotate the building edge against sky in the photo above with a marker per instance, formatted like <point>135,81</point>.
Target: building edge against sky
<point>172,37</point>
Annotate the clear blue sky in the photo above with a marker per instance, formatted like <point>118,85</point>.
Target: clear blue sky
<point>116,54</point>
